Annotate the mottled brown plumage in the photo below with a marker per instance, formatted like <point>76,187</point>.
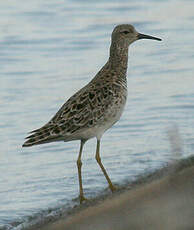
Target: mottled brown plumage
<point>95,107</point>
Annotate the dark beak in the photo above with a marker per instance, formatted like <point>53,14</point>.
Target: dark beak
<point>144,36</point>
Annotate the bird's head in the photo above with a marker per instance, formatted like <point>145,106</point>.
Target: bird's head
<point>125,34</point>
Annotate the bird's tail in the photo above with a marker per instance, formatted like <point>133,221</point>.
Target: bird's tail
<point>41,136</point>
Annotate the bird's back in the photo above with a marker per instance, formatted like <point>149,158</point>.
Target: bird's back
<point>88,113</point>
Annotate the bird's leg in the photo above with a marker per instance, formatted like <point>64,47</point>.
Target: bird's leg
<point>79,165</point>
<point>98,159</point>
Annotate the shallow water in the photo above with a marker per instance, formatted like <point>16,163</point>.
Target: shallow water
<point>49,50</point>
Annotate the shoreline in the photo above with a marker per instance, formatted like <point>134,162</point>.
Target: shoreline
<point>163,199</point>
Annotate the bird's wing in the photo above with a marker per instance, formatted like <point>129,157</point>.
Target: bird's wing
<point>82,110</point>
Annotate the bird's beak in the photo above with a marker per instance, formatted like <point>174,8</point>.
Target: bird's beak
<point>144,36</point>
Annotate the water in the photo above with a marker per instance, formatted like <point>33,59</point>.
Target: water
<point>49,50</point>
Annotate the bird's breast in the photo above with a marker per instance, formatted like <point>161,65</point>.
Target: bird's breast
<point>113,113</point>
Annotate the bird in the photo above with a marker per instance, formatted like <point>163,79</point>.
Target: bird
<point>97,106</point>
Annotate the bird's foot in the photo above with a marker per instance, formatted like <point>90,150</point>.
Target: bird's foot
<point>82,199</point>
<point>112,188</point>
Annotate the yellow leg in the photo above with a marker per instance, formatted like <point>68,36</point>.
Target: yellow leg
<point>79,165</point>
<point>98,159</point>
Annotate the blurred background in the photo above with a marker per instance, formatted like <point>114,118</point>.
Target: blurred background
<point>49,50</point>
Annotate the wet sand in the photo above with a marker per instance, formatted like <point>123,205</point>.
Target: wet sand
<point>161,200</point>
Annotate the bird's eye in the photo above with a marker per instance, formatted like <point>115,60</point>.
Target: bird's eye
<point>125,32</point>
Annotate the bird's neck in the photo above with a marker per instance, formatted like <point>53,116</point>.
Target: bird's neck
<point>118,59</point>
